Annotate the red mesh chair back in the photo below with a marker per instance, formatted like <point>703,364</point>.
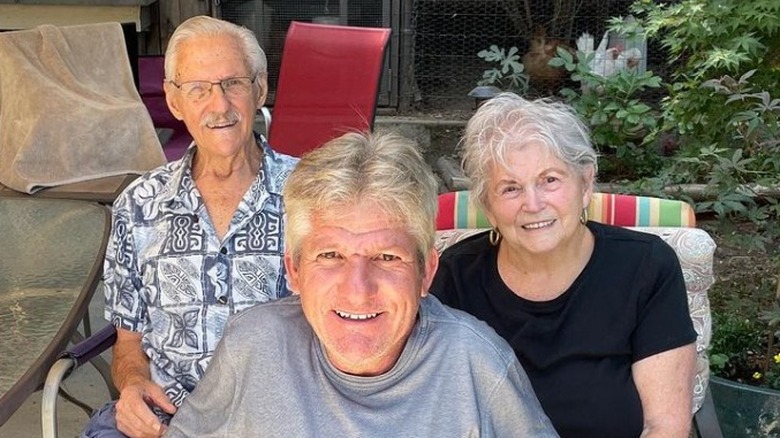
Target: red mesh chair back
<point>328,84</point>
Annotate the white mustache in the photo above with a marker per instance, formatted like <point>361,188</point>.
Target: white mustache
<point>214,119</point>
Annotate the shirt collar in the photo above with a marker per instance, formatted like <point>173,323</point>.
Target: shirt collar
<point>183,168</point>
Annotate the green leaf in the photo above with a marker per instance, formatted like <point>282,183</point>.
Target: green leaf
<point>556,62</point>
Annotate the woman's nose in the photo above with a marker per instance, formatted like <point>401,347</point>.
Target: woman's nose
<point>534,201</point>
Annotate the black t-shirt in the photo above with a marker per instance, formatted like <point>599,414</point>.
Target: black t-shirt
<point>628,303</point>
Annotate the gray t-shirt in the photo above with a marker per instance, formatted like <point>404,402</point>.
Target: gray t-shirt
<point>270,377</point>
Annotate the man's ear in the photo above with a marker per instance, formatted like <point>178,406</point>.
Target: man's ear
<point>262,83</point>
<point>170,99</point>
<point>292,273</point>
<point>429,270</point>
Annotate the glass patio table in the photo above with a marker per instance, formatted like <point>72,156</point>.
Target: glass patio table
<point>51,257</point>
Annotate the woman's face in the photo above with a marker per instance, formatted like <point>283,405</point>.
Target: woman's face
<point>536,201</point>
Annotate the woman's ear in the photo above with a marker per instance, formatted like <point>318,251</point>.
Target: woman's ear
<point>485,209</point>
<point>588,182</point>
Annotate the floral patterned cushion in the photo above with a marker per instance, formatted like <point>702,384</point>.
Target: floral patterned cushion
<point>695,249</point>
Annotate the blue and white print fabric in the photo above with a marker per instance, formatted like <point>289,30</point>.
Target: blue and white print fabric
<point>168,276</point>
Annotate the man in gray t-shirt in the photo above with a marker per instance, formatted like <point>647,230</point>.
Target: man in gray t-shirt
<point>362,350</point>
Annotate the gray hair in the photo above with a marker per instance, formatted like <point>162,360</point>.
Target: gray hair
<point>383,167</point>
<point>203,25</point>
<point>507,123</point>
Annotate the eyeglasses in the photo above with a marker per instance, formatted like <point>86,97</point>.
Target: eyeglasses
<point>197,91</point>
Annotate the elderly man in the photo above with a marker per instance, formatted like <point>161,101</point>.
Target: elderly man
<point>198,239</point>
<point>362,350</point>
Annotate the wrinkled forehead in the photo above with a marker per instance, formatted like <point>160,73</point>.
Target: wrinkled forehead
<point>523,142</point>
<point>211,56</point>
<point>357,217</point>
<point>364,222</point>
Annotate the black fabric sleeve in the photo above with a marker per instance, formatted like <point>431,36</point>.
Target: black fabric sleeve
<point>663,320</point>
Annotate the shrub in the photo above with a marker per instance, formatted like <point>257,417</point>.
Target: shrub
<point>705,40</point>
<point>720,107</point>
<point>619,121</point>
<point>736,347</point>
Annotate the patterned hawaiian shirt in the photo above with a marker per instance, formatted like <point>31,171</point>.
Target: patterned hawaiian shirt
<point>169,277</point>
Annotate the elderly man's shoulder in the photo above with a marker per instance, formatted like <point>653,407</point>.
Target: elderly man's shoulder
<point>280,158</point>
<point>152,182</point>
<point>465,334</point>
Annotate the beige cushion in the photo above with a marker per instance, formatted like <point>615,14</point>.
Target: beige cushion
<point>695,249</point>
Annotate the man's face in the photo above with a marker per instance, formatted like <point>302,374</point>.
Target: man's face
<point>220,123</point>
<point>360,285</point>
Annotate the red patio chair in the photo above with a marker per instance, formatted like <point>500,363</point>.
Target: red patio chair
<point>328,84</point>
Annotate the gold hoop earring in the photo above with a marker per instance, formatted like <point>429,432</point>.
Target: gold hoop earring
<point>584,216</point>
<point>494,237</point>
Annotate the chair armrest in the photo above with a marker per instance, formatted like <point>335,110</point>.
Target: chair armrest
<point>266,121</point>
<point>68,361</point>
<point>87,349</point>
<point>705,420</point>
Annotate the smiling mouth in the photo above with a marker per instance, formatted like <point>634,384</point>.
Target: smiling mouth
<point>538,225</point>
<point>356,316</point>
<point>220,125</point>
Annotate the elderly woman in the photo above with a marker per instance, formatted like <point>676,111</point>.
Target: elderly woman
<point>596,314</point>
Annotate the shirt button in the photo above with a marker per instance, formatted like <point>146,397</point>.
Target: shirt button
<point>222,300</point>
<point>223,250</point>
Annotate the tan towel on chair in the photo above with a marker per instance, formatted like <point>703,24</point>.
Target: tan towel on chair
<point>69,110</point>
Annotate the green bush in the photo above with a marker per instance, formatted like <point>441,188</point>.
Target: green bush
<point>736,347</point>
<point>619,121</point>
<point>721,105</point>
<point>705,40</point>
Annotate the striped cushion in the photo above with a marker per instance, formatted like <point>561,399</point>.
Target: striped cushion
<point>456,211</point>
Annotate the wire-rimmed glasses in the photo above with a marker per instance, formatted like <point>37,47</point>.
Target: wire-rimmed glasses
<point>197,91</point>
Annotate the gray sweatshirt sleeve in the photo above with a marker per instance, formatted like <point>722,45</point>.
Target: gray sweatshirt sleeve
<point>515,410</point>
<point>204,412</point>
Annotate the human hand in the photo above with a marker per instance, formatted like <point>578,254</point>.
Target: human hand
<point>134,416</point>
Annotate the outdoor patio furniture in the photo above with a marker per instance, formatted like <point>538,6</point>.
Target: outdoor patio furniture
<point>50,265</point>
<point>86,351</point>
<point>70,113</point>
<point>328,84</point>
<point>674,222</point>
<point>103,190</point>
<point>745,410</point>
